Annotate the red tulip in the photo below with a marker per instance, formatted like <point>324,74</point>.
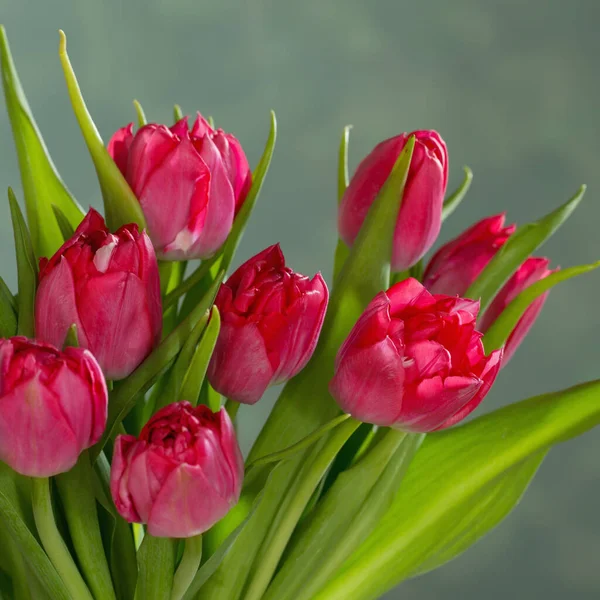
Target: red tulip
<point>530,272</point>
<point>414,361</point>
<point>456,265</point>
<point>53,406</point>
<point>271,318</point>
<point>108,286</point>
<point>190,183</point>
<point>420,216</point>
<point>181,475</point>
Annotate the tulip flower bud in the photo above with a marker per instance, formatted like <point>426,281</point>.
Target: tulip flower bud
<point>108,286</point>
<point>53,405</point>
<point>190,183</point>
<point>271,318</point>
<point>414,361</point>
<point>181,475</point>
<point>530,272</point>
<point>456,265</point>
<point>420,216</point>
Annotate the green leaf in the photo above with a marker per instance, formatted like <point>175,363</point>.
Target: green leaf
<point>77,494</point>
<point>66,229</point>
<point>503,326</point>
<point>344,517</point>
<point>42,185</point>
<point>120,204</point>
<point>451,203</point>
<point>141,115</point>
<point>124,397</point>
<point>343,176</point>
<point>8,312</point>
<point>305,403</point>
<point>26,269</point>
<point>171,390</point>
<point>486,461</point>
<point>516,249</point>
<point>72,339</point>
<point>197,367</point>
<point>156,563</point>
<point>177,114</point>
<point>34,555</point>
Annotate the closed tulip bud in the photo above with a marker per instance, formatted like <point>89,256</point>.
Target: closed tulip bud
<point>190,183</point>
<point>414,361</point>
<point>53,405</point>
<point>420,216</point>
<point>181,475</point>
<point>456,265</point>
<point>530,272</point>
<point>271,318</point>
<point>108,286</point>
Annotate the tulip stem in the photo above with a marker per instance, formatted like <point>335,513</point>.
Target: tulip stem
<point>292,506</point>
<point>186,285</point>
<point>188,567</point>
<point>232,407</point>
<point>52,541</point>
<point>305,442</point>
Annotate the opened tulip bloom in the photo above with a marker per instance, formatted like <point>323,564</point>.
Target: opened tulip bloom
<point>456,265</point>
<point>190,183</point>
<point>271,318</point>
<point>181,475</point>
<point>420,216</point>
<point>108,286</point>
<point>53,406</point>
<point>531,271</point>
<point>414,361</point>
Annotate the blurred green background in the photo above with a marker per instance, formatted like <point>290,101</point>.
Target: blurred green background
<point>513,88</point>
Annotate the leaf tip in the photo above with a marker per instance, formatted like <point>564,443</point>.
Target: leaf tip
<point>62,43</point>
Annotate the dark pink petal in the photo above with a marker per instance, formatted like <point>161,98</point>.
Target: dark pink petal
<point>118,146</point>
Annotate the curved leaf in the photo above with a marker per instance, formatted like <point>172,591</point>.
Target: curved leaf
<point>485,462</point>
<point>451,203</point>
<point>42,185</point>
<point>516,249</point>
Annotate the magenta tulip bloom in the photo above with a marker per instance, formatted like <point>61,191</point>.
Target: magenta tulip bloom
<point>420,216</point>
<point>530,272</point>
<point>53,405</point>
<point>181,475</point>
<point>271,318</point>
<point>414,361</point>
<point>190,183</point>
<point>456,265</point>
<point>108,286</point>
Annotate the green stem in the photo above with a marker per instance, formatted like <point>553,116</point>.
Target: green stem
<point>76,489</point>
<point>232,407</point>
<point>156,563</point>
<point>188,567</point>
<point>292,507</point>
<point>186,285</point>
<point>52,541</point>
<point>309,440</point>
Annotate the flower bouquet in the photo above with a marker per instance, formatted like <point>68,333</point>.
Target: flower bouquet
<point>129,344</point>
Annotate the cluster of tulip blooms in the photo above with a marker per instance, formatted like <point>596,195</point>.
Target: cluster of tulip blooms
<point>120,377</point>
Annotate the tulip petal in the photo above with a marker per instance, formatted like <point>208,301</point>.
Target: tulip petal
<point>118,147</point>
<point>240,368</point>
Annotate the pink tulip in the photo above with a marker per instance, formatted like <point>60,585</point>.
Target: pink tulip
<point>414,361</point>
<point>181,475</point>
<point>420,216</point>
<point>53,405</point>
<point>530,272</point>
<point>190,183</point>
<point>456,265</point>
<point>108,286</point>
<point>271,318</point>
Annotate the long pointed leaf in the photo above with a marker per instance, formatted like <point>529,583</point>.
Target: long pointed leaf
<point>26,269</point>
<point>42,185</point>
<point>487,461</point>
<point>8,312</point>
<point>517,248</point>
<point>120,204</point>
<point>451,203</point>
